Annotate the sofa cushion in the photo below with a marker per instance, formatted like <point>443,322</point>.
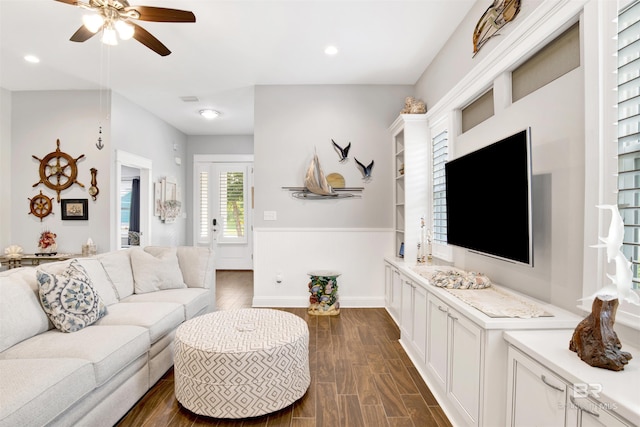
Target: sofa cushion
<point>194,300</point>
<point>156,268</point>
<point>95,270</point>
<point>196,265</point>
<point>117,264</point>
<point>21,316</point>
<point>159,317</point>
<point>108,348</point>
<point>35,391</point>
<point>69,299</point>
<point>101,281</point>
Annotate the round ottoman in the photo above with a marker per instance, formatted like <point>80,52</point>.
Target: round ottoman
<point>241,363</point>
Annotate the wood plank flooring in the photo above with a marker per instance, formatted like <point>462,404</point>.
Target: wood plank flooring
<point>360,375</point>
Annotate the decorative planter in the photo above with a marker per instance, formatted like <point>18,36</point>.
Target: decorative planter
<point>323,287</point>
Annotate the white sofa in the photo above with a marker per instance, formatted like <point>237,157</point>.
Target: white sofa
<point>93,376</point>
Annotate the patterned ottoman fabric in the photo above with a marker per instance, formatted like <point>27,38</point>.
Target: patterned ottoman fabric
<point>241,363</point>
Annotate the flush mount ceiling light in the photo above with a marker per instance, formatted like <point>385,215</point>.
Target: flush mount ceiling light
<point>331,50</point>
<point>209,113</point>
<point>32,58</point>
<point>115,19</point>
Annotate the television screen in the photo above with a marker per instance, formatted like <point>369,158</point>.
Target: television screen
<point>488,194</point>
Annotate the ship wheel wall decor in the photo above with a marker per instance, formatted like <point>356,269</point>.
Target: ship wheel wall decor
<point>58,170</point>
<point>41,205</point>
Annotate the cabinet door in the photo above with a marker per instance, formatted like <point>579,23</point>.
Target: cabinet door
<point>420,321</point>
<point>437,319</point>
<point>465,339</point>
<point>406,313</point>
<point>396,295</point>
<point>538,397</point>
<point>586,412</point>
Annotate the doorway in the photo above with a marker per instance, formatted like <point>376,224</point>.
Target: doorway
<point>125,164</point>
<point>223,204</point>
<point>130,207</point>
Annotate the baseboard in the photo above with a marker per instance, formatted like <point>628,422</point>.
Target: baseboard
<point>347,302</point>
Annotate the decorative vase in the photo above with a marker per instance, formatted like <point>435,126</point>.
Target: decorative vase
<point>323,287</point>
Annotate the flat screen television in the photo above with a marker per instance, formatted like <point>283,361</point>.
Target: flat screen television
<point>488,195</point>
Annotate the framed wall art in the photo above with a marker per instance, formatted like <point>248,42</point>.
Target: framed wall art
<point>75,209</point>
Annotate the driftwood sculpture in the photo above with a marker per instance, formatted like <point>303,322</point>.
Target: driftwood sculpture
<point>594,339</point>
<point>596,342</point>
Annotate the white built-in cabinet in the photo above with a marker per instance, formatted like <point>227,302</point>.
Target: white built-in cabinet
<point>393,291</point>
<point>410,136</point>
<point>413,324</point>
<point>454,356</point>
<point>460,352</point>
<point>548,385</point>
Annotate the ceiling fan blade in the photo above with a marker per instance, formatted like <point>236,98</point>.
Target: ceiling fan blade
<point>162,14</point>
<point>145,37</point>
<point>82,35</point>
<point>71,2</point>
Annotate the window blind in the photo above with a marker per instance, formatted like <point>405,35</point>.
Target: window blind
<point>440,155</point>
<point>628,134</point>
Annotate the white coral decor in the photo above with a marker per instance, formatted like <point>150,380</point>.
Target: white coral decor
<point>13,251</point>
<point>171,209</point>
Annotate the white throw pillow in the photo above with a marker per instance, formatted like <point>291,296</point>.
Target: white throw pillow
<point>157,271</point>
<point>117,264</point>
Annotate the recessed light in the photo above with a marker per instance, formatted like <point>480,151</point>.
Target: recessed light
<point>32,58</point>
<point>330,50</point>
<point>209,114</point>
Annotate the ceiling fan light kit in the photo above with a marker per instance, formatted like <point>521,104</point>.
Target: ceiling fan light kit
<point>93,22</point>
<point>115,19</point>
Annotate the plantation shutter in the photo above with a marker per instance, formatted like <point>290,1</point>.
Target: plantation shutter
<point>628,141</point>
<point>203,207</point>
<point>440,156</point>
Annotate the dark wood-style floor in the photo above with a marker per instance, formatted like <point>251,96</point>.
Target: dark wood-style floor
<point>360,375</point>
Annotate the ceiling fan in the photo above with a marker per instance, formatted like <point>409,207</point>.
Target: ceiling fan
<point>116,19</point>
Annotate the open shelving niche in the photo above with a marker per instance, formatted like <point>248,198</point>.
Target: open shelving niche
<point>410,152</point>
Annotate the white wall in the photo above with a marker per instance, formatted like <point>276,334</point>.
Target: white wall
<point>351,235</point>
<point>39,118</point>
<point>568,176</point>
<point>555,114</point>
<point>36,119</point>
<point>455,60</point>
<point>558,190</point>
<point>139,132</point>
<point>5,168</point>
<point>293,121</point>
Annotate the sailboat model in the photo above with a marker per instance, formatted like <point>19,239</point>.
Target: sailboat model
<point>315,181</point>
<point>316,185</point>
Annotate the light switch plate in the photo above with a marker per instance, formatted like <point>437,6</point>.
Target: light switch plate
<point>270,215</point>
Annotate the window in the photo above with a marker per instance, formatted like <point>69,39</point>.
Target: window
<point>628,132</point>
<point>232,205</point>
<point>440,155</point>
<point>552,61</point>
<point>478,111</point>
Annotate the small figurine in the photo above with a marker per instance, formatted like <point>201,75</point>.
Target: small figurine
<point>413,106</point>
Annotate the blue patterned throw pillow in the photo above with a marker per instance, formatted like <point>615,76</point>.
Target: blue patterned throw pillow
<point>69,299</point>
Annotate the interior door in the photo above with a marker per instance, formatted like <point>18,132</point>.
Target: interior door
<point>225,213</point>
